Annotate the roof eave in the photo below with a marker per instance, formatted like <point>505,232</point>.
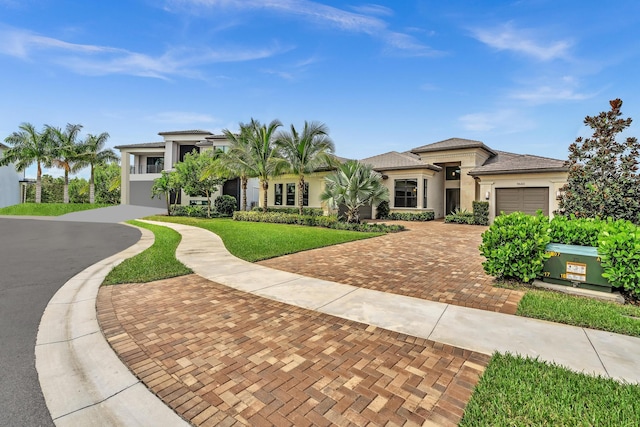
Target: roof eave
<point>425,166</point>
<point>517,171</point>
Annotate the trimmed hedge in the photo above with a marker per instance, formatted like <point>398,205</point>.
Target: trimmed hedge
<point>576,231</point>
<point>313,221</point>
<point>292,211</point>
<point>411,216</point>
<point>225,205</point>
<point>619,250</point>
<point>461,217</point>
<point>382,210</point>
<point>480,212</point>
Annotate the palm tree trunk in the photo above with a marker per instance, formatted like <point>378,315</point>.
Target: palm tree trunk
<point>301,193</point>
<point>243,184</point>
<point>39,184</point>
<point>91,187</point>
<point>167,196</point>
<point>65,197</point>
<point>208,204</point>
<point>265,189</point>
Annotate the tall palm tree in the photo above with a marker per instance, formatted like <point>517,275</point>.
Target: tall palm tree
<point>28,146</point>
<point>65,151</point>
<point>306,152</point>
<point>238,159</point>
<point>354,185</point>
<point>92,153</point>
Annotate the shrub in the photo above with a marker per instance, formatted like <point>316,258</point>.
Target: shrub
<point>460,216</point>
<point>480,212</point>
<point>225,205</point>
<point>619,250</point>
<point>293,211</point>
<point>411,216</point>
<point>313,221</point>
<point>382,211</point>
<point>575,231</point>
<point>514,246</point>
<point>191,211</point>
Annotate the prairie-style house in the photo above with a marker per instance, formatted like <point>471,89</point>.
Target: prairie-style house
<point>440,177</point>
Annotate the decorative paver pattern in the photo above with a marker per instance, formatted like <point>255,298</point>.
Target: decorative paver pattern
<point>431,260</point>
<point>223,357</point>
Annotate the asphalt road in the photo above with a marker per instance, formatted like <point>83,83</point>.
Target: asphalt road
<point>36,258</point>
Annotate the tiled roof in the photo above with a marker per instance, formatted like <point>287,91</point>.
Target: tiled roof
<point>142,145</point>
<point>394,160</point>
<point>186,132</point>
<point>452,144</point>
<point>505,162</point>
<point>213,136</point>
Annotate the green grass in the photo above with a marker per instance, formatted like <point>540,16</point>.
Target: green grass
<point>580,311</point>
<point>48,209</point>
<point>517,391</point>
<point>156,263</point>
<point>254,241</point>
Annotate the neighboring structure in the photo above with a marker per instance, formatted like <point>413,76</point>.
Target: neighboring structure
<point>440,177</point>
<point>142,163</point>
<point>9,183</point>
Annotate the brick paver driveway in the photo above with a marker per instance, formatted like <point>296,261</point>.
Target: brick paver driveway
<point>219,356</point>
<point>432,260</point>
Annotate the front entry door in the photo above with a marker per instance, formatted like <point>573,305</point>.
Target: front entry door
<point>452,200</point>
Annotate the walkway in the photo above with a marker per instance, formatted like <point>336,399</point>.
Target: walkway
<point>433,261</point>
<point>170,345</point>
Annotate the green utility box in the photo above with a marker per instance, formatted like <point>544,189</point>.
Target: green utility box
<point>577,266</point>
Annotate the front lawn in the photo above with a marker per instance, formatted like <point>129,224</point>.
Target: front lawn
<point>516,391</point>
<point>580,311</point>
<point>255,241</point>
<point>155,263</point>
<point>49,209</point>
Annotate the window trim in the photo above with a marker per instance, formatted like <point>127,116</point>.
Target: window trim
<point>277,195</point>
<point>290,195</point>
<point>409,198</point>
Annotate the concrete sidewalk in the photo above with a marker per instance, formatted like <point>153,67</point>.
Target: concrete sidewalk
<point>582,350</point>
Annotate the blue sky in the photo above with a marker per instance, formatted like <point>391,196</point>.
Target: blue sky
<point>387,75</point>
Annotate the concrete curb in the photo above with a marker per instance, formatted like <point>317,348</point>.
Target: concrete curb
<point>82,379</point>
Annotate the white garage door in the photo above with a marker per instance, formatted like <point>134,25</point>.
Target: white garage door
<point>527,200</point>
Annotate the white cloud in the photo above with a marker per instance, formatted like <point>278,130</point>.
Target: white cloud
<point>565,89</point>
<point>373,9</point>
<point>103,60</point>
<point>365,21</point>
<point>507,37</point>
<point>500,121</point>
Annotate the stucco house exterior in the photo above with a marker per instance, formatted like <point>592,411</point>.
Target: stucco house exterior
<point>440,177</point>
<point>142,163</point>
<point>10,180</point>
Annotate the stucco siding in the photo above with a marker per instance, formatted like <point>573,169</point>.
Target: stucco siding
<point>9,185</point>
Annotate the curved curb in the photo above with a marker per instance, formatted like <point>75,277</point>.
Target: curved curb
<point>82,379</point>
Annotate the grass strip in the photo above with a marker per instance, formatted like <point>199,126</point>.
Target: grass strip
<point>49,209</point>
<point>580,311</point>
<point>516,391</point>
<point>255,241</point>
<point>156,263</point>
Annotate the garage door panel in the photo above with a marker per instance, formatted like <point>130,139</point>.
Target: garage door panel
<point>528,200</point>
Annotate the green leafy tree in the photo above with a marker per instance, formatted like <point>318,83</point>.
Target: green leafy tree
<point>64,144</point>
<point>353,186</point>
<point>51,190</point>
<point>306,152</point>
<point>26,147</point>
<point>92,153</point>
<point>107,183</point>
<point>163,186</point>
<point>603,173</point>
<point>78,190</point>
<point>195,177</point>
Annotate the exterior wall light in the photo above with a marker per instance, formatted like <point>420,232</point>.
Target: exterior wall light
<point>487,195</point>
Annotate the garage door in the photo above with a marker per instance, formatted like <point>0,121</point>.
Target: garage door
<point>527,200</point>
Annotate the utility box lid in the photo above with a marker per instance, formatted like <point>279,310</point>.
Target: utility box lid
<point>573,249</point>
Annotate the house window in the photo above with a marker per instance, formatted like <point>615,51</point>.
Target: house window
<point>452,173</point>
<point>278,195</point>
<point>291,194</point>
<point>305,195</point>
<point>406,193</point>
<point>155,164</point>
<point>424,194</point>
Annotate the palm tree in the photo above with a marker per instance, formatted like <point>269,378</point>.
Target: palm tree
<point>164,186</point>
<point>265,155</point>
<point>306,152</point>
<point>65,151</point>
<point>28,146</point>
<point>92,153</point>
<point>238,160</point>
<point>354,185</point>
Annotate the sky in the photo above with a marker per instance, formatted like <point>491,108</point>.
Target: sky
<point>519,76</point>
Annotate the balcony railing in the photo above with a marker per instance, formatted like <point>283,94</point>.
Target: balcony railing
<point>140,169</point>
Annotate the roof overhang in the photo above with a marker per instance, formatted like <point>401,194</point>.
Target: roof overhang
<point>517,171</point>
